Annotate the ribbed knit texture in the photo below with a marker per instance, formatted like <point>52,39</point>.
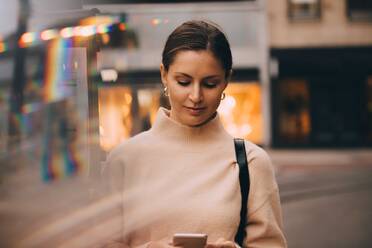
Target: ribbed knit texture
<point>174,178</point>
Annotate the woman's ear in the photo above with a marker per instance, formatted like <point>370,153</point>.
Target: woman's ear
<point>163,74</point>
<point>228,78</point>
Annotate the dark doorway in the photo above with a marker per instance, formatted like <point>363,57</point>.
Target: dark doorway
<point>336,111</point>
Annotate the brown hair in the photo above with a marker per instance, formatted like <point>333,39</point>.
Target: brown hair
<point>195,36</point>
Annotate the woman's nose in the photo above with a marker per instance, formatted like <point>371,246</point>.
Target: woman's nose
<point>196,94</point>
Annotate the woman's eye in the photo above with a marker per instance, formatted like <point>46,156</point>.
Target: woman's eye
<point>210,85</point>
<point>183,83</point>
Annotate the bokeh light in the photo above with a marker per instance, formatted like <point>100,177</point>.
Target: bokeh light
<point>67,32</point>
<point>49,34</point>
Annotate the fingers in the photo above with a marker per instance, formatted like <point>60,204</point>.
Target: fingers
<point>221,243</point>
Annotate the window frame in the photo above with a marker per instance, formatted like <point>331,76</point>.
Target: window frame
<point>292,16</point>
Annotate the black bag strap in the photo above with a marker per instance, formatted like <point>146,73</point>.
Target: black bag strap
<point>241,158</point>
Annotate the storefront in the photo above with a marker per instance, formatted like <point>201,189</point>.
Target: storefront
<point>322,97</point>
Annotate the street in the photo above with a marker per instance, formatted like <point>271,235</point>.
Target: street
<point>327,205</point>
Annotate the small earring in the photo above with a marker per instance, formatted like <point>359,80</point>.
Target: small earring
<point>166,91</point>
<point>223,95</point>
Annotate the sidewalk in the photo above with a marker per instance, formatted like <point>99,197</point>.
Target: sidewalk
<point>299,167</point>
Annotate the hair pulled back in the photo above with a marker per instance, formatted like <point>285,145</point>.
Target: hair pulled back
<point>196,36</point>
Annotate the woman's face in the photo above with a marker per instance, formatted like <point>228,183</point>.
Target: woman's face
<point>195,82</point>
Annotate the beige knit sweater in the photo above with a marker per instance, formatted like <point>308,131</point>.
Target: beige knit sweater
<point>174,178</point>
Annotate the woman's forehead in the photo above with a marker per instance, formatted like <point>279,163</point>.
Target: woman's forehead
<point>202,61</point>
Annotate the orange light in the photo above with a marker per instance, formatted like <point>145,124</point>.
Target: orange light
<point>28,37</point>
<point>155,21</point>
<point>97,20</point>
<point>2,47</point>
<point>105,39</point>
<point>122,26</point>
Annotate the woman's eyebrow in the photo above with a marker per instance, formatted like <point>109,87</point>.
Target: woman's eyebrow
<point>183,74</point>
<point>207,77</point>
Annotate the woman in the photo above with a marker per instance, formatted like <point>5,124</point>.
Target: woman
<point>181,176</point>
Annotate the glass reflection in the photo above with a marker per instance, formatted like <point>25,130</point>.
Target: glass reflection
<point>241,111</point>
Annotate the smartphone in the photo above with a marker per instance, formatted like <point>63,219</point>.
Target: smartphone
<point>190,240</point>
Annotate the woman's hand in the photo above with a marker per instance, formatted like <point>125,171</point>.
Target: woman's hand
<point>221,243</point>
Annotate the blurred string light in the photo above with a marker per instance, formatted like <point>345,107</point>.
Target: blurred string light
<point>76,31</point>
<point>88,27</point>
<point>155,21</point>
<point>103,29</point>
<point>158,21</point>
<point>49,34</point>
<point>96,20</point>
<point>87,31</point>
<point>27,39</point>
<point>67,32</point>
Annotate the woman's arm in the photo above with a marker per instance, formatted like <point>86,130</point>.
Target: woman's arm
<point>265,226</point>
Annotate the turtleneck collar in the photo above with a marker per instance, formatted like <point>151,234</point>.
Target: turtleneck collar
<point>209,133</point>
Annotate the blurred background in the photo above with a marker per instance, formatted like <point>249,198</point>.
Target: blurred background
<point>77,77</point>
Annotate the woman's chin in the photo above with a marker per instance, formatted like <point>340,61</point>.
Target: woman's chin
<point>195,121</point>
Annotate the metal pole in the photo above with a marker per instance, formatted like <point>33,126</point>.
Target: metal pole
<point>18,83</point>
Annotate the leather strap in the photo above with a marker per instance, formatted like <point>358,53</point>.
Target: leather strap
<point>241,158</point>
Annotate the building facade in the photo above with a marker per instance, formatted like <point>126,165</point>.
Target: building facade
<point>321,73</point>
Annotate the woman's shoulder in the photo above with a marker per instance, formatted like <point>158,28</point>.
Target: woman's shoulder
<point>255,152</point>
<point>259,162</point>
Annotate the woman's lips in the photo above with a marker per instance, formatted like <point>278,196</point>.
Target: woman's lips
<point>195,111</point>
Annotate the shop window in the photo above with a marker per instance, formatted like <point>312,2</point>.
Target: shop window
<point>359,10</point>
<point>124,112</point>
<point>294,116</point>
<point>304,9</point>
<point>241,111</point>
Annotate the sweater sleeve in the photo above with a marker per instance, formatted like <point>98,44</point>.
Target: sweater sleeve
<point>265,227</point>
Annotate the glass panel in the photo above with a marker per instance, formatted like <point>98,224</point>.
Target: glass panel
<point>51,182</point>
<point>294,116</point>
<point>241,111</point>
